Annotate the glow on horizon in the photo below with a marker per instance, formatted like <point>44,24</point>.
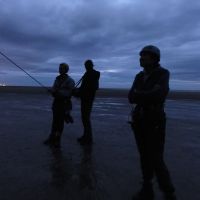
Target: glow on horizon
<point>2,85</point>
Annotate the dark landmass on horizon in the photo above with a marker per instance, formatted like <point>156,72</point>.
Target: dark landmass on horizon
<point>102,92</point>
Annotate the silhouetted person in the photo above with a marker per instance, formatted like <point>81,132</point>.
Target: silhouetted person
<point>61,91</point>
<point>89,85</point>
<point>148,92</point>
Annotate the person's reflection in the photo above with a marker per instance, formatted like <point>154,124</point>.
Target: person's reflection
<point>73,180</point>
<point>59,169</point>
<point>88,179</point>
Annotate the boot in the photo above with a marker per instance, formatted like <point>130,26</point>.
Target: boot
<point>86,141</point>
<point>170,196</point>
<point>146,193</point>
<point>80,139</point>
<point>49,140</point>
<point>69,119</point>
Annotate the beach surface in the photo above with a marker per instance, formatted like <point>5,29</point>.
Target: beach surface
<point>102,92</point>
<point>109,170</point>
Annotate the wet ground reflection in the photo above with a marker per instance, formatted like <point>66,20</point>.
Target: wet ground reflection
<point>59,169</point>
<point>77,182</point>
<point>105,171</point>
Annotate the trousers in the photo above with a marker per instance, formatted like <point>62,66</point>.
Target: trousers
<point>86,109</point>
<point>58,120</point>
<point>150,140</point>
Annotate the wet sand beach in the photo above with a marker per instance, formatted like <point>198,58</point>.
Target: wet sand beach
<point>107,171</point>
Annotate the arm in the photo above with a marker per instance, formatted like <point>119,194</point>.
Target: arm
<point>53,89</point>
<point>156,95</point>
<point>96,81</point>
<point>131,94</point>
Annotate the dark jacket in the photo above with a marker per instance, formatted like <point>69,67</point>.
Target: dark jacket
<point>62,91</point>
<point>90,83</point>
<point>152,90</point>
<point>63,86</point>
<point>149,94</point>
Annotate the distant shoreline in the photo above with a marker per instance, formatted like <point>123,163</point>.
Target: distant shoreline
<point>104,92</point>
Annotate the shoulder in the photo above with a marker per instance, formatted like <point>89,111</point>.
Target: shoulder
<point>163,71</point>
<point>70,79</point>
<point>57,78</point>
<point>138,77</point>
<point>96,72</point>
<point>140,74</point>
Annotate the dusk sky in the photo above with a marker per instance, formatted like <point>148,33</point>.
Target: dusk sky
<point>38,35</point>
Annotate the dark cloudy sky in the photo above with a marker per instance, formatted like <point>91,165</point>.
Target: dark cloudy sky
<point>39,34</point>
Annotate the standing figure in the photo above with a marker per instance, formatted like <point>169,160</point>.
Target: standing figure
<point>89,85</point>
<point>148,92</point>
<point>61,91</point>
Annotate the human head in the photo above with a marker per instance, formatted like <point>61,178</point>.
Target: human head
<point>63,68</point>
<point>149,56</point>
<point>88,65</point>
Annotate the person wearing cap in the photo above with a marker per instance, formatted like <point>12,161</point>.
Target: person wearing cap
<point>148,93</point>
<point>88,88</point>
<point>61,91</point>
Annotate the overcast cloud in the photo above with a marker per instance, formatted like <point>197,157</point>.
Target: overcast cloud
<point>38,35</point>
